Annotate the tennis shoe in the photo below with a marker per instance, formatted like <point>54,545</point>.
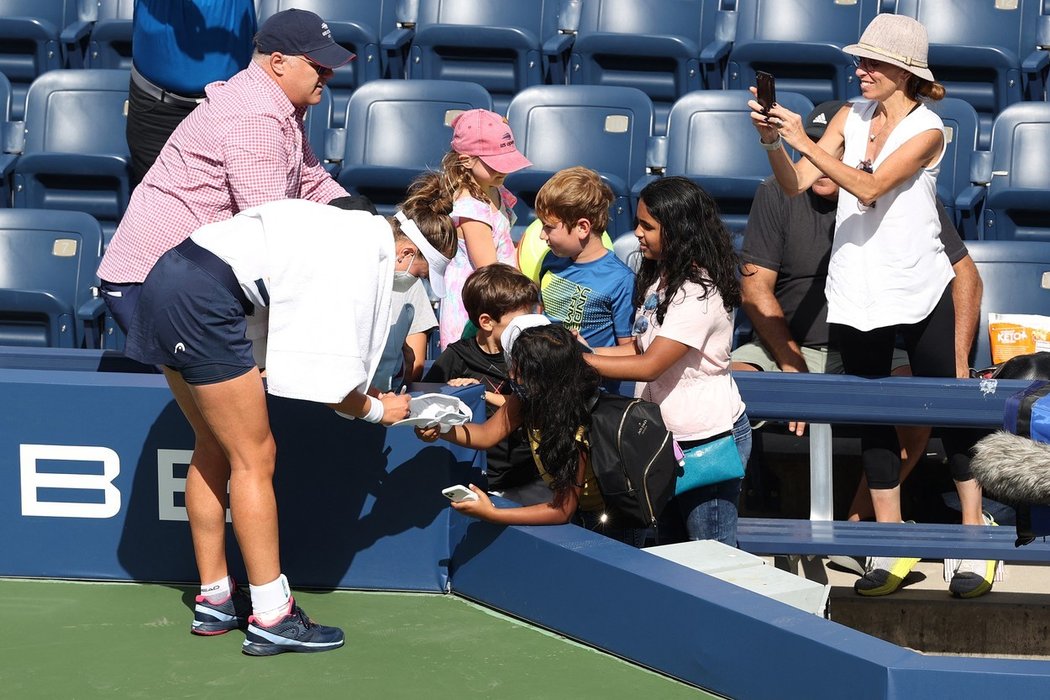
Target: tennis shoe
<point>884,575</point>
<point>293,632</point>
<point>210,619</point>
<point>973,577</point>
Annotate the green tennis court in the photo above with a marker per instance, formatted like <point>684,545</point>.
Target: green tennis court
<point>85,640</point>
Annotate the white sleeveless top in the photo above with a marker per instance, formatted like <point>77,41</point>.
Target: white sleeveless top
<point>887,265</point>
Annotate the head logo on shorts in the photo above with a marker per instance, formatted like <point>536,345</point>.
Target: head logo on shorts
<point>180,346</point>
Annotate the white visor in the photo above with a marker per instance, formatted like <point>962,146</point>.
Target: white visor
<point>516,326</point>
<point>435,260</point>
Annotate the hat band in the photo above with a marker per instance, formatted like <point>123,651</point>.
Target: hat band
<point>435,259</point>
<point>906,60</point>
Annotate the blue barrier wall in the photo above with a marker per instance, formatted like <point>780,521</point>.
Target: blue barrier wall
<point>91,477</point>
<point>702,630</point>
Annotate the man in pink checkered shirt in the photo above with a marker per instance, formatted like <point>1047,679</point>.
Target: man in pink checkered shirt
<point>242,147</point>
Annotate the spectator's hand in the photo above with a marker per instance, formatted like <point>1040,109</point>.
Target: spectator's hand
<point>789,126</point>
<point>797,427</point>
<point>580,339</point>
<point>395,407</point>
<point>463,381</point>
<point>760,120</point>
<point>428,434</point>
<point>478,508</point>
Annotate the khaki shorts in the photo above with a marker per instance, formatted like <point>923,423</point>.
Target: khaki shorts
<point>819,360</point>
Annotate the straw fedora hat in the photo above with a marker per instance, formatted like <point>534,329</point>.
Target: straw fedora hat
<point>897,40</point>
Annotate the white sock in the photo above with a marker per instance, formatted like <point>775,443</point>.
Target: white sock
<point>218,591</point>
<point>271,601</point>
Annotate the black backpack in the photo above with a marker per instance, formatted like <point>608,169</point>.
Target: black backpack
<point>632,456</point>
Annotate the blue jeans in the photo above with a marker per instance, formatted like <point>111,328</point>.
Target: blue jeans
<point>710,512</point>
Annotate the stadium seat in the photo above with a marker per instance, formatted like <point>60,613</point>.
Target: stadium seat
<point>75,155</point>
<point>800,42</point>
<point>109,44</point>
<point>47,278</point>
<point>710,140</point>
<point>9,133</point>
<point>603,127</point>
<point>665,48</point>
<point>1017,205</point>
<point>359,25</point>
<point>1016,277</point>
<point>31,41</point>
<point>327,142</point>
<point>503,45</point>
<point>985,52</point>
<point>395,129</point>
<point>961,198</point>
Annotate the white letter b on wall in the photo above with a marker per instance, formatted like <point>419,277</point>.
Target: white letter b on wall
<point>33,480</point>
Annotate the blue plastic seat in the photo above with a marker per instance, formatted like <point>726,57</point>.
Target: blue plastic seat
<point>396,129</point>
<point>962,199</point>
<point>325,141</point>
<point>986,52</point>
<point>665,48</point>
<point>503,45</point>
<point>31,42</point>
<point>1016,277</point>
<point>800,42</point>
<point>358,25</point>
<point>1017,205</point>
<point>47,278</point>
<point>711,141</point>
<point>7,135</point>
<point>109,43</point>
<point>601,127</point>
<point>75,155</point>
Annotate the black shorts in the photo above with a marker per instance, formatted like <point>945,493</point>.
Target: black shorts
<point>192,318</point>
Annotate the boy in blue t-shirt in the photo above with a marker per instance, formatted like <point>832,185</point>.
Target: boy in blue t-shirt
<point>583,285</point>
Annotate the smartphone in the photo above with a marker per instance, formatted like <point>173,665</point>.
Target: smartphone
<point>767,90</point>
<point>459,493</point>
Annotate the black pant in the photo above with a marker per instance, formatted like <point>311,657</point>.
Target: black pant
<point>931,352</point>
<point>150,123</point>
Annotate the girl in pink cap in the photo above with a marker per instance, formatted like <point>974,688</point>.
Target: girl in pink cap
<point>482,154</point>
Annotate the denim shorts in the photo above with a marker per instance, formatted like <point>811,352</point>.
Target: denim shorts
<point>189,320</point>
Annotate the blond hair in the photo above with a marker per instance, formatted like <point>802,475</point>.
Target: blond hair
<point>573,194</point>
<point>429,205</point>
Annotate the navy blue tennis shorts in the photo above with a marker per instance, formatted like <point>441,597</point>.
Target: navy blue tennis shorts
<point>189,318</point>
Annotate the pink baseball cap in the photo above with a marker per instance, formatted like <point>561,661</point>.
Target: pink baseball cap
<point>487,135</point>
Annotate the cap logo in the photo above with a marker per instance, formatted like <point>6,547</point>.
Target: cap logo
<point>507,141</point>
<point>820,119</point>
<point>325,31</point>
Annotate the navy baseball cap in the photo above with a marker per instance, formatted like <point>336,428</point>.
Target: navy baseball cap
<point>301,33</point>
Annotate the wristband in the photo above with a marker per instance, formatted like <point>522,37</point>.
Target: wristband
<point>772,146</point>
<point>375,411</point>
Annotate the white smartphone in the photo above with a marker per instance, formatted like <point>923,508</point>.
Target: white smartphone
<point>459,493</point>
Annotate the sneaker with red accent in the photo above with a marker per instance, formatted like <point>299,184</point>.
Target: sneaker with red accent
<point>293,632</point>
<point>210,619</point>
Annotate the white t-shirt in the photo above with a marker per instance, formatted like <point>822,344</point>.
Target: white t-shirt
<point>887,262</point>
<point>697,395</point>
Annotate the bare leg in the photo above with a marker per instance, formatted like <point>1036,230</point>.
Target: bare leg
<point>206,481</point>
<point>235,411</point>
<point>970,500</point>
<point>887,504</point>
<point>913,441</point>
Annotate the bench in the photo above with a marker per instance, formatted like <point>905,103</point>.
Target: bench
<point>782,536</point>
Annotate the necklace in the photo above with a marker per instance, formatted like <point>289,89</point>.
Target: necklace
<point>872,137</point>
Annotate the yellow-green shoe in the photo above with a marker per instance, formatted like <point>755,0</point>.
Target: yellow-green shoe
<point>884,576</point>
<point>973,577</point>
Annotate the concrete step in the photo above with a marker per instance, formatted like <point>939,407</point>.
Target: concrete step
<point>1012,621</point>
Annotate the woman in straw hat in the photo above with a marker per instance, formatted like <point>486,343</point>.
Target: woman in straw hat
<point>888,274</point>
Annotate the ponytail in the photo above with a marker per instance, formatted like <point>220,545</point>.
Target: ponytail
<point>920,89</point>
<point>429,204</point>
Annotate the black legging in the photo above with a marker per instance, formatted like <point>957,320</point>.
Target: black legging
<point>931,353</point>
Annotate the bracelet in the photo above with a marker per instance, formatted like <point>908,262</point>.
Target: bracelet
<point>772,146</point>
<point>375,411</point>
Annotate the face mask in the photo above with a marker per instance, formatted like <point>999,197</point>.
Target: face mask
<point>403,281</point>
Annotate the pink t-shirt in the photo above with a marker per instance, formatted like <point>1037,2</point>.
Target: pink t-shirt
<point>697,395</point>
